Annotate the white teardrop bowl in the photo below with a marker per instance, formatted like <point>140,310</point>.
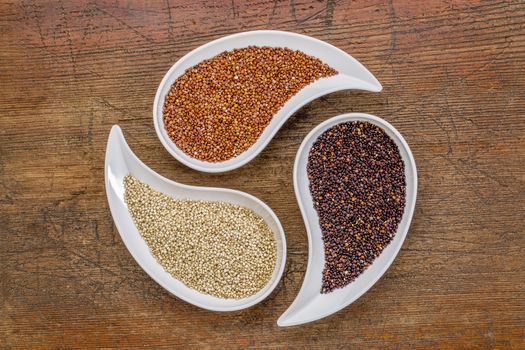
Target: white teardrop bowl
<point>352,75</point>
<point>121,161</point>
<point>310,304</point>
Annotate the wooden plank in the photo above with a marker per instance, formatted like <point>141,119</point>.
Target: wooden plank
<point>453,82</point>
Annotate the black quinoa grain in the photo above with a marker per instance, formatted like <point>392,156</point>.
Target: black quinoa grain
<point>357,182</point>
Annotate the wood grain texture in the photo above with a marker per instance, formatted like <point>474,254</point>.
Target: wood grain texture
<point>453,76</point>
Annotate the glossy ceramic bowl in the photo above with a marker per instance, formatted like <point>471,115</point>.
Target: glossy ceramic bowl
<point>120,161</point>
<point>352,75</point>
<point>310,304</point>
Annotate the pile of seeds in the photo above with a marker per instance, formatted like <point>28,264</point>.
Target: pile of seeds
<point>217,109</point>
<point>357,182</point>
<point>216,248</point>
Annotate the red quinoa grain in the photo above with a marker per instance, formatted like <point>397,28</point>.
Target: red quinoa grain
<point>217,109</point>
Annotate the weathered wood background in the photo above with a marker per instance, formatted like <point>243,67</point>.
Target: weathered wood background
<point>454,78</point>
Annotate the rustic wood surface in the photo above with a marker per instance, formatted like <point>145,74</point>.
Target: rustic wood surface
<point>453,76</point>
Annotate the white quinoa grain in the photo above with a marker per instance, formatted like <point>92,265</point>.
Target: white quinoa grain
<point>216,248</point>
